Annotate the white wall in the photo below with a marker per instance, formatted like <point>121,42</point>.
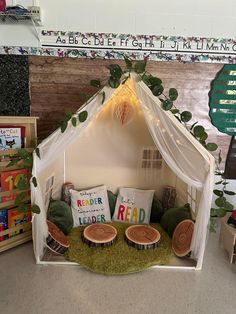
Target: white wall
<point>212,18</point>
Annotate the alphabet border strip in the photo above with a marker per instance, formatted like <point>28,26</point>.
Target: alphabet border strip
<point>137,47</point>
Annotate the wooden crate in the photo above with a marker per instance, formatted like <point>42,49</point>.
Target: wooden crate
<point>30,135</point>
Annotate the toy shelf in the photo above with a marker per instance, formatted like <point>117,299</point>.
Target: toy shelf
<point>21,232</point>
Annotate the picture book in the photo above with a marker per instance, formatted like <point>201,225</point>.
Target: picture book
<point>11,137</point>
<point>16,217</point>
<point>3,223</point>
<point>9,181</point>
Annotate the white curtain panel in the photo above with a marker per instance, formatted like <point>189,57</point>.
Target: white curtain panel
<point>185,156</point>
<point>51,149</point>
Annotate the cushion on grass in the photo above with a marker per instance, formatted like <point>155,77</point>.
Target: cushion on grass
<point>173,216</point>
<point>133,206</point>
<point>90,206</point>
<point>60,214</point>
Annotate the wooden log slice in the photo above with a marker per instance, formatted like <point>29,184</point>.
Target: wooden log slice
<point>182,237</point>
<point>99,235</point>
<point>56,240</point>
<point>142,237</point>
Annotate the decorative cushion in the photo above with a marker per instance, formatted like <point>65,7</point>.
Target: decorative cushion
<point>173,216</point>
<point>59,213</point>
<point>133,206</point>
<point>90,206</point>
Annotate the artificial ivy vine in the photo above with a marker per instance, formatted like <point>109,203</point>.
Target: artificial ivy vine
<point>119,76</point>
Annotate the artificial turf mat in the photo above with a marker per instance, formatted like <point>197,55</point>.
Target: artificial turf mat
<point>118,259</point>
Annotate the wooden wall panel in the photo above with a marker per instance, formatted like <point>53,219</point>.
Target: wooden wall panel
<point>59,85</point>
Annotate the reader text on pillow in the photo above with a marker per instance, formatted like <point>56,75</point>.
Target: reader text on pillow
<point>90,206</point>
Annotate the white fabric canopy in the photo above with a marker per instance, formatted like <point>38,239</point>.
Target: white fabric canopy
<point>185,156</point>
<point>181,151</point>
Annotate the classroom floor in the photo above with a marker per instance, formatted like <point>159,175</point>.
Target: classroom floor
<point>29,288</point>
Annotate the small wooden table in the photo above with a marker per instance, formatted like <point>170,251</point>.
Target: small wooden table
<point>228,238</point>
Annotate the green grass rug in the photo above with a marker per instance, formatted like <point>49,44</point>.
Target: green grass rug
<point>118,259</point>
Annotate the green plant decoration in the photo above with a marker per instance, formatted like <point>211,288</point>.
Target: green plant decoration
<point>222,205</point>
<point>119,76</point>
<point>81,117</point>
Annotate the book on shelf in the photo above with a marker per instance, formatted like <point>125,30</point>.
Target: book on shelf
<point>3,223</point>
<point>11,137</point>
<point>9,181</point>
<point>16,217</point>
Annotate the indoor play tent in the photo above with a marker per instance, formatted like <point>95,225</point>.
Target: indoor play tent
<point>112,147</point>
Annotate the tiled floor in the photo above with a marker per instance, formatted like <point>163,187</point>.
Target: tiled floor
<point>29,288</point>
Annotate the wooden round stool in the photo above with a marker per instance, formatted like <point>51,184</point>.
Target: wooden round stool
<point>99,235</point>
<point>142,237</point>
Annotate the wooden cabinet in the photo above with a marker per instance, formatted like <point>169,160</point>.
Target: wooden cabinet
<point>228,238</point>
<point>21,232</point>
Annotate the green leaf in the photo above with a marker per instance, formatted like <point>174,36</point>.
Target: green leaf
<point>35,209</point>
<point>23,153</point>
<point>225,183</point>
<point>220,201</point>
<point>173,94</point>
<point>211,147</point>
<point>228,206</point>
<point>95,83</point>
<point>174,111</point>
<point>12,163</point>
<point>212,225</point>
<point>157,90</point>
<point>198,130</point>
<point>204,136</point>
<point>34,181</point>
<point>128,63</point>
<point>20,197</point>
<point>23,207</point>
<point>115,71</point>
<point>69,115</point>
<point>154,80</point>
<point>103,97</point>
<point>167,104</point>
<point>114,82</point>
<point>63,126</point>
<point>146,79</point>
<point>23,183</point>
<point>219,182</point>
<point>37,152</point>
<point>229,192</point>
<point>219,157</point>
<point>218,212</point>
<point>218,192</point>
<point>185,116</point>
<point>83,116</point>
<point>140,66</point>
<point>74,121</point>
<point>28,163</point>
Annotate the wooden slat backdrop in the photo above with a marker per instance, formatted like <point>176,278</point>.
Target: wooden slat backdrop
<point>59,85</point>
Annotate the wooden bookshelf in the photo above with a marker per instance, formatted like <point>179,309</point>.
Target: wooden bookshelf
<point>22,229</point>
